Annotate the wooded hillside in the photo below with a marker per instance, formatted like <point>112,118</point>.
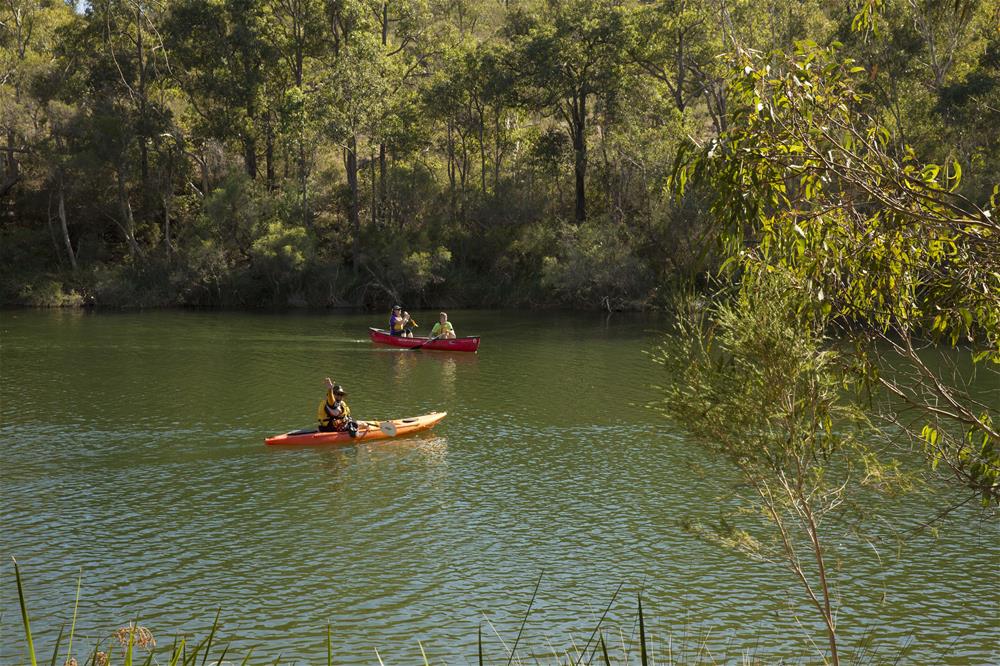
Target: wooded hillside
<point>357,152</point>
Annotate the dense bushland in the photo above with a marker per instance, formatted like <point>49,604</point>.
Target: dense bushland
<point>356,152</point>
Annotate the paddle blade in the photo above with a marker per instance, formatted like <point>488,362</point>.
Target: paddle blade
<point>388,427</point>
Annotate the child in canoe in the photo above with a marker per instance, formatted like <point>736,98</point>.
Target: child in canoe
<point>443,328</point>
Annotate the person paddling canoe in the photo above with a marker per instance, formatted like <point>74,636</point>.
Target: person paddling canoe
<point>401,323</point>
<point>333,413</point>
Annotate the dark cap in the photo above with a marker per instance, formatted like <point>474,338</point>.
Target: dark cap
<point>338,390</point>
<point>396,307</point>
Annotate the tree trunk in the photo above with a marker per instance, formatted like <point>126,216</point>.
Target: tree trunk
<point>203,164</point>
<point>451,167</point>
<point>497,154</point>
<point>269,153</point>
<point>371,169</point>
<point>580,150</point>
<point>681,71</point>
<point>143,149</point>
<point>62,223</point>
<point>250,156</point>
<point>125,207</point>
<point>166,224</point>
<point>383,190</point>
<point>13,168</point>
<point>355,213</point>
<point>304,185</point>
<point>482,149</point>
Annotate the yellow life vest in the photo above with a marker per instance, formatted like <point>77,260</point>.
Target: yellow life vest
<point>327,420</point>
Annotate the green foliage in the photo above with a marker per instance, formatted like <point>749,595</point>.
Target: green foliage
<point>756,382</point>
<point>422,269</point>
<point>469,126</point>
<point>598,265</point>
<point>48,293</point>
<point>882,243</point>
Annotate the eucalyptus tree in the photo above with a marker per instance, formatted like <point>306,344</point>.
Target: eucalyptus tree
<point>110,69</point>
<point>29,34</point>
<point>488,80</point>
<point>675,42</point>
<point>568,56</point>
<point>407,34</point>
<point>808,181</point>
<point>753,380</point>
<point>299,40</point>
<point>355,92</point>
<point>223,54</point>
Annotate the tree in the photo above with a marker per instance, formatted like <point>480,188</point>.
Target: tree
<point>222,67</point>
<point>569,56</point>
<point>356,90</point>
<point>753,380</point>
<point>809,182</point>
<point>29,33</point>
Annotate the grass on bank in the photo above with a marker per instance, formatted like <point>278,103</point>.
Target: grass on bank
<point>121,647</point>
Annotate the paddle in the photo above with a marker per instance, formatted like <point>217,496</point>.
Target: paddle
<point>424,343</point>
<point>388,427</point>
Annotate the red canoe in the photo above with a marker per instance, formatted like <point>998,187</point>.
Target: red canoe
<point>455,344</point>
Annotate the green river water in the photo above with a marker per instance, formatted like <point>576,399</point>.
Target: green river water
<point>133,456</point>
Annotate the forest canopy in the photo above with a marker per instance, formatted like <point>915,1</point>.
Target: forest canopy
<point>357,152</point>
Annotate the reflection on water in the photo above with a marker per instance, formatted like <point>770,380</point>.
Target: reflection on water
<point>448,370</point>
<point>132,451</point>
<point>403,364</point>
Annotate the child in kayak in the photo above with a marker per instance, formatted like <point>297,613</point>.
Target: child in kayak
<point>333,414</point>
<point>443,329</point>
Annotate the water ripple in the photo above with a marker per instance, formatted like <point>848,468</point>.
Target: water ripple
<point>139,464</point>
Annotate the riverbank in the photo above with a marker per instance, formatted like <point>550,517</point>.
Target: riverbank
<point>170,286</point>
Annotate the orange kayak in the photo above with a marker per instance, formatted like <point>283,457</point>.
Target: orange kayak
<point>367,430</point>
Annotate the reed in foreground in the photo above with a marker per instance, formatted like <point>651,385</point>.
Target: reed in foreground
<point>134,644</point>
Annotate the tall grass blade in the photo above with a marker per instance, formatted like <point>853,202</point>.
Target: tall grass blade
<point>246,659</point>
<point>598,627</point>
<point>149,659</point>
<point>190,659</point>
<point>211,635</point>
<point>643,657</point>
<point>379,657</point>
<point>225,650</point>
<point>479,643</point>
<point>329,646</point>
<point>131,643</point>
<point>24,615</point>
<point>604,651</point>
<point>513,650</point>
<point>76,606</point>
<point>177,652</point>
<point>423,654</point>
<point>55,652</point>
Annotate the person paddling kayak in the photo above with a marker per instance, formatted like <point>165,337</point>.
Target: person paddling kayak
<point>333,413</point>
